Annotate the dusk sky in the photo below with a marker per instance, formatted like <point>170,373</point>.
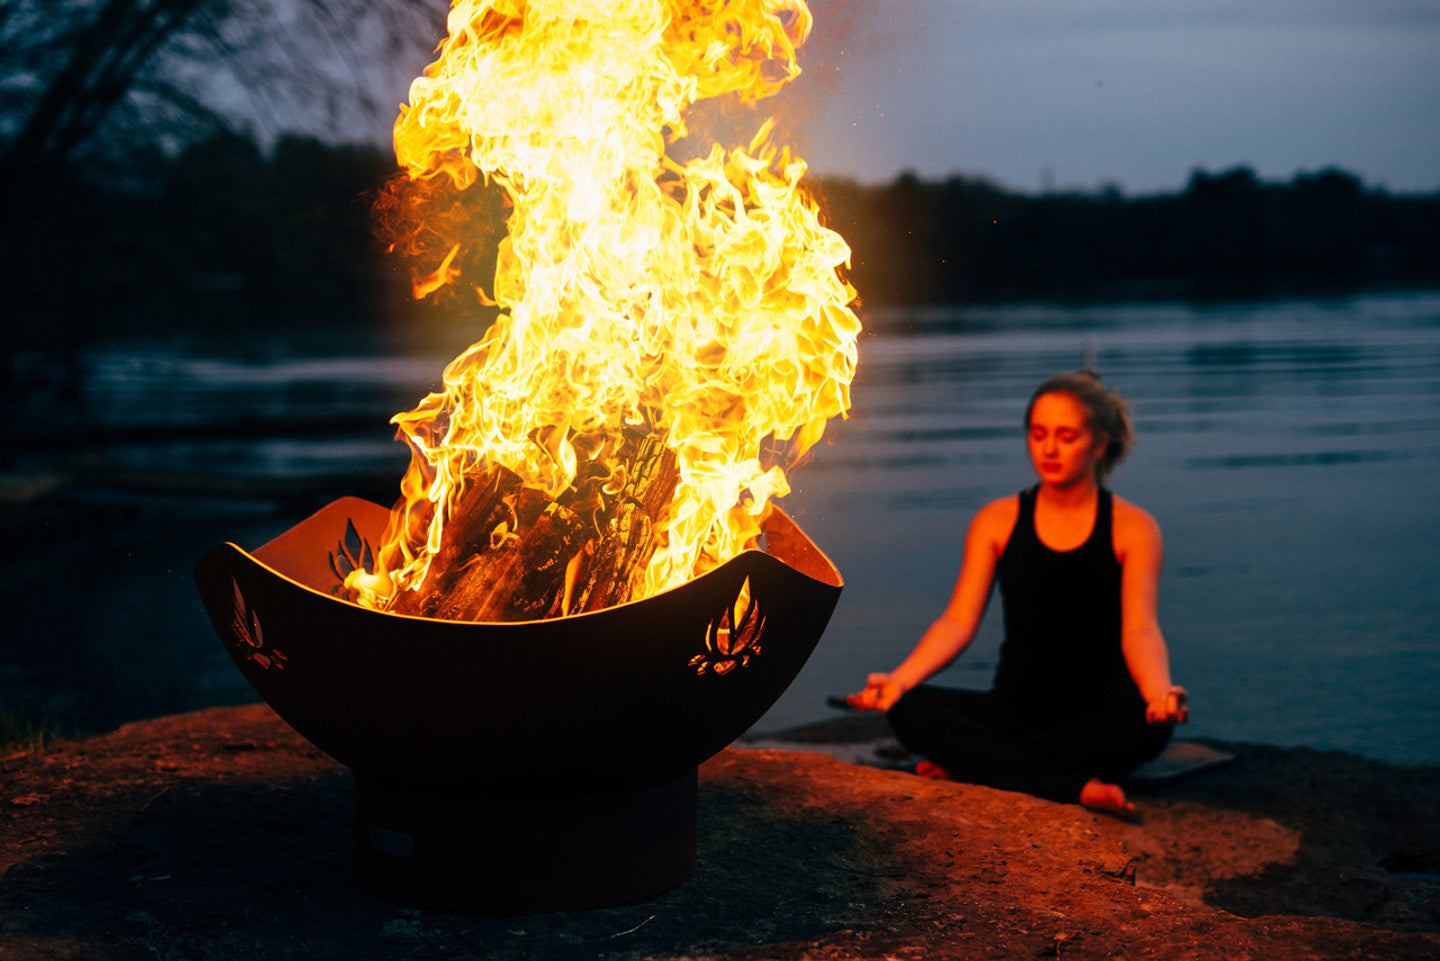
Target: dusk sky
<point>1136,93</point>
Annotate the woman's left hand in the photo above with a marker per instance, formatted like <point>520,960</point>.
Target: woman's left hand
<point>1169,708</point>
<point>880,694</point>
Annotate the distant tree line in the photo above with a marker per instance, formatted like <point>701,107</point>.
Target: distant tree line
<point>1226,235</point>
<point>99,89</point>
<point>229,233</point>
<point>130,201</point>
<point>127,196</point>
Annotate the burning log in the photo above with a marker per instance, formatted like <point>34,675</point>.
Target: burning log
<point>510,554</point>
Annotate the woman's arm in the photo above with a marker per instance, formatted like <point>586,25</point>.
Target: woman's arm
<point>1141,552</point>
<point>955,628</point>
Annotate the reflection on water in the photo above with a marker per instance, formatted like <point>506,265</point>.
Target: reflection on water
<point>1289,451</point>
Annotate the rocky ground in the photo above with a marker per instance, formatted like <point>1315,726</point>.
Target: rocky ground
<point>223,835</point>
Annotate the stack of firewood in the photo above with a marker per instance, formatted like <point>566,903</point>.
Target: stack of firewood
<point>511,553</point>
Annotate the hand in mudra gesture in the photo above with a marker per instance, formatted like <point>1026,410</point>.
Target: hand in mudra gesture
<point>880,693</point>
<point>1169,708</point>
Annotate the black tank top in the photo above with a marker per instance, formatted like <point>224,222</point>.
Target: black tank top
<point>1062,651</point>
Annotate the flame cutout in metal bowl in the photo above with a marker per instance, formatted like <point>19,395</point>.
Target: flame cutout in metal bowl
<point>248,637</point>
<point>580,705</point>
<point>734,636</point>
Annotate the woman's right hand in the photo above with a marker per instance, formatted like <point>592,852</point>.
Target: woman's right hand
<point>880,693</point>
<point>1169,708</point>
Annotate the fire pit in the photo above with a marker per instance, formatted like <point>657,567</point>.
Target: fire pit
<point>518,767</point>
<point>526,659</point>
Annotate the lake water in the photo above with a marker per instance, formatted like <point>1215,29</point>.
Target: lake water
<point>1289,450</point>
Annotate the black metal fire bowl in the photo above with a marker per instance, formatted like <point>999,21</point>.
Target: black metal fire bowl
<point>509,767</point>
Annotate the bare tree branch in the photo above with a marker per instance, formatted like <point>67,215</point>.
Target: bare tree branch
<point>83,78</point>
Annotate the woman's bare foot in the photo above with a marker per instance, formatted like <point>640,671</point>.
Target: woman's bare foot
<point>932,771</point>
<point>1098,795</point>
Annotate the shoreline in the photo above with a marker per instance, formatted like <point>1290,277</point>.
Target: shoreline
<point>222,834</point>
<point>850,732</point>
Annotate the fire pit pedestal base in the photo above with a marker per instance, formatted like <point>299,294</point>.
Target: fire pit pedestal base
<point>500,855</point>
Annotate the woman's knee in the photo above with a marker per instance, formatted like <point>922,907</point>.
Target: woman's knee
<point>904,711</point>
<point>927,714</point>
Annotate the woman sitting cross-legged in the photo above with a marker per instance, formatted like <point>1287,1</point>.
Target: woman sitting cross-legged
<point>1082,694</point>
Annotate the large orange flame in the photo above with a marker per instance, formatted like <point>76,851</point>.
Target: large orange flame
<point>700,299</point>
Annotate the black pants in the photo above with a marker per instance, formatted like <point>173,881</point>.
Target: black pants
<point>979,739</point>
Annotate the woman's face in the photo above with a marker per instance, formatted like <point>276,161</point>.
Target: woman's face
<point>1063,448</point>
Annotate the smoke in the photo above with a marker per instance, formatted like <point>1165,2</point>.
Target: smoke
<point>849,37</point>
